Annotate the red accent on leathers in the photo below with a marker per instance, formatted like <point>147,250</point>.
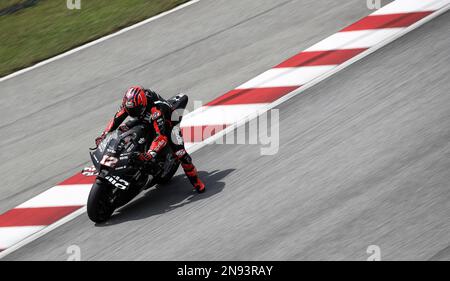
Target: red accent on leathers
<point>158,143</point>
<point>159,124</point>
<point>192,174</point>
<point>145,157</point>
<point>189,170</point>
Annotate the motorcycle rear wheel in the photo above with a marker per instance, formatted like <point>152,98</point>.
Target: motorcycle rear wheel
<point>169,175</point>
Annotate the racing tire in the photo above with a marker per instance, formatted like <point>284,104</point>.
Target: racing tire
<point>99,206</point>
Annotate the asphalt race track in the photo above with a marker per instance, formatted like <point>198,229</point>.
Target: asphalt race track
<point>363,159</point>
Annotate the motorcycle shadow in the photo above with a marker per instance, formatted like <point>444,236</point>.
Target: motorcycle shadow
<point>165,198</point>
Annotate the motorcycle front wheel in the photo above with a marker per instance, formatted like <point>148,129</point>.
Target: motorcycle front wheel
<point>99,205</point>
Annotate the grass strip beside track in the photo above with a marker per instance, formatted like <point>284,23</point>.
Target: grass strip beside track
<point>49,28</point>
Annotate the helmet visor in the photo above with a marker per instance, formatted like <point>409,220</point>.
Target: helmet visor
<point>135,111</point>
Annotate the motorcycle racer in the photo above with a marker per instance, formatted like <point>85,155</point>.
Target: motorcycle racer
<point>149,107</point>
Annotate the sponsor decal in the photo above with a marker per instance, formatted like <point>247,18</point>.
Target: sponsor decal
<point>89,171</point>
<point>118,182</point>
<point>180,153</point>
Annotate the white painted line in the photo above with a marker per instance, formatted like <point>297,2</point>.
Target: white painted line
<point>95,42</point>
<point>287,76</point>
<point>219,114</point>
<point>355,39</point>
<point>63,195</point>
<point>12,235</point>
<point>408,6</point>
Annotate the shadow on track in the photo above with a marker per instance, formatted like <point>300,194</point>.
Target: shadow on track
<point>165,198</point>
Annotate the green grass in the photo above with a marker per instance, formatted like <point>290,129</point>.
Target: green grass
<point>9,3</point>
<point>49,28</point>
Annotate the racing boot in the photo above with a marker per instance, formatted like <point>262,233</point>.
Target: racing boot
<point>192,175</point>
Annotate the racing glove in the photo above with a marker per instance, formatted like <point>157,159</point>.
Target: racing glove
<point>147,156</point>
<point>100,139</point>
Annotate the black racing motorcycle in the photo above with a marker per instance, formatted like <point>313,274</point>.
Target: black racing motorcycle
<point>120,175</point>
